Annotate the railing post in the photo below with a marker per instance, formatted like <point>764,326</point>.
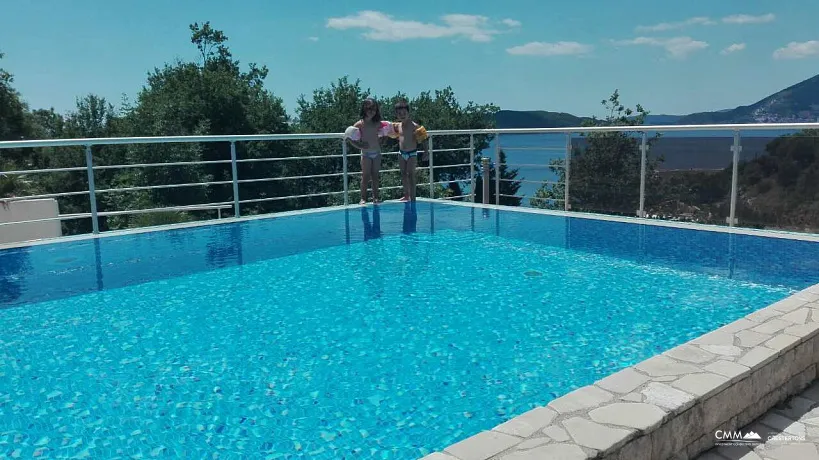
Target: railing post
<point>346,171</point>
<point>566,169</point>
<point>431,171</point>
<point>92,193</point>
<point>643,151</point>
<point>497,169</point>
<point>736,149</point>
<point>485,181</point>
<point>235,177</point>
<point>472,167</point>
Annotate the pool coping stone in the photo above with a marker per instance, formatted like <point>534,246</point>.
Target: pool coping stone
<point>670,405</point>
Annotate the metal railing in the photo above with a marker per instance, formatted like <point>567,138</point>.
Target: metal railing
<point>235,181</point>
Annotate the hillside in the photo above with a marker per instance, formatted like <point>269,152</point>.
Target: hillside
<point>796,104</point>
<point>506,119</point>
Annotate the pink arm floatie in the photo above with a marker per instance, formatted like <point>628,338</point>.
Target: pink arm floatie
<point>386,129</point>
<point>352,133</point>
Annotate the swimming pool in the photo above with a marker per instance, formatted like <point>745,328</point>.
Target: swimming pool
<point>375,332</point>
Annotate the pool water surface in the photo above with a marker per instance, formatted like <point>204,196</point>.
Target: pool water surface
<point>389,332</point>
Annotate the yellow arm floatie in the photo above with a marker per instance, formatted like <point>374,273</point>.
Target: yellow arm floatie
<point>395,132</point>
<point>421,134</point>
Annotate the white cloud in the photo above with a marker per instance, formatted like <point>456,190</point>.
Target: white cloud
<point>706,21</point>
<point>677,47</point>
<point>313,39</point>
<point>511,22</point>
<point>550,49</point>
<point>748,19</point>
<point>383,27</point>
<point>664,26</point>
<point>798,50</point>
<point>733,48</point>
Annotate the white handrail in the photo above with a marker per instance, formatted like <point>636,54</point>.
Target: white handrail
<point>568,132</point>
<point>306,136</point>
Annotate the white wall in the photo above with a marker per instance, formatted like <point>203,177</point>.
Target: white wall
<point>16,211</point>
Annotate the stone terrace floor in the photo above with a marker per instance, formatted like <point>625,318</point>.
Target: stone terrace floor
<point>798,416</point>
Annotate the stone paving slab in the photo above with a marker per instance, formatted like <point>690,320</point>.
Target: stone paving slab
<point>670,405</point>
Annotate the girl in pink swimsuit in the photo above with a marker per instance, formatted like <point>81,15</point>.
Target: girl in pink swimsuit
<point>365,135</point>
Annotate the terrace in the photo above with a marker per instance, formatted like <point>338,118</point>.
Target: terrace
<point>720,371</point>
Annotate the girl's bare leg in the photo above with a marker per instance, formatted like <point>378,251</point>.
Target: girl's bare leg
<point>411,176</point>
<point>365,177</point>
<point>404,178</point>
<point>375,169</point>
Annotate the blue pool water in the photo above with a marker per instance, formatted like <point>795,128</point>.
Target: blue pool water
<point>385,333</point>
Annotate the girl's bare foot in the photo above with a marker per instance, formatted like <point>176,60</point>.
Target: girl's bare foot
<point>376,201</point>
<point>362,202</point>
<point>403,199</point>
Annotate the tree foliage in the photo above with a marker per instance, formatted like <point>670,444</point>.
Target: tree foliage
<point>216,95</point>
<point>508,185</point>
<point>604,170</point>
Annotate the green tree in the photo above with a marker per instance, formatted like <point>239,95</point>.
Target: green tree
<point>213,96</point>
<point>334,108</point>
<point>14,120</point>
<point>605,168</point>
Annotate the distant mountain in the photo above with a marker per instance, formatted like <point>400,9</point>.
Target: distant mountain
<point>796,104</point>
<point>506,119</point>
<point>662,119</point>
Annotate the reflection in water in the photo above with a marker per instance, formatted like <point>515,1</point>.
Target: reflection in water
<point>410,218</point>
<point>225,247</point>
<point>372,254</point>
<point>98,263</point>
<point>14,267</point>
<point>371,229</point>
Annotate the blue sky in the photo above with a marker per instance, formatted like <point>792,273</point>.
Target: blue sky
<point>672,57</point>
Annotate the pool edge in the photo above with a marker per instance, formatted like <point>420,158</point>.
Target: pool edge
<point>573,214</point>
<point>672,403</point>
<point>638,220</point>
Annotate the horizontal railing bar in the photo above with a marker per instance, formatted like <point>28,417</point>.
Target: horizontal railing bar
<point>358,173</point>
<point>60,218</point>
<point>383,154</point>
<point>461,149</point>
<point>194,207</point>
<point>271,179</point>
<point>552,149</point>
<point>454,197</point>
<point>153,187</point>
<point>635,128</point>
<point>313,157</point>
<point>40,197</point>
<point>544,199</point>
<point>149,165</point>
<point>37,171</point>
<point>451,132</point>
<point>395,187</point>
<point>166,140</point>
<point>277,198</point>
